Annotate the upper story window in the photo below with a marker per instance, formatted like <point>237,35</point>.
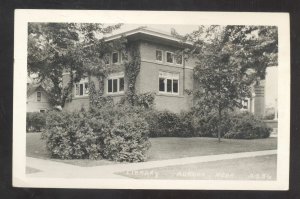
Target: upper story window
<point>38,96</point>
<point>115,83</point>
<point>82,88</point>
<point>159,55</point>
<point>115,57</point>
<point>169,82</point>
<point>169,57</point>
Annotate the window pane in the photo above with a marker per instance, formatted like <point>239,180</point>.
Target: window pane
<point>81,89</point>
<point>169,85</point>
<point>159,55</point>
<point>109,85</point>
<point>86,88</point>
<point>115,85</point>
<point>179,59</point>
<point>170,57</point>
<point>115,57</point>
<point>121,86</point>
<point>39,94</point>
<point>175,86</point>
<point>161,84</point>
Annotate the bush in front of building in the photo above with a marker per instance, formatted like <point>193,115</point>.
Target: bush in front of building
<point>169,124</point>
<point>207,124</point>
<point>35,121</point>
<point>115,133</point>
<point>128,139</point>
<point>69,135</point>
<point>234,125</point>
<point>247,126</point>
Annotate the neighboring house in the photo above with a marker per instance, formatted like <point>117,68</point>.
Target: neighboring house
<point>37,98</point>
<point>161,72</point>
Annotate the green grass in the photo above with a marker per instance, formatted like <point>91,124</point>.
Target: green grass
<point>253,168</point>
<point>164,148</point>
<point>169,148</point>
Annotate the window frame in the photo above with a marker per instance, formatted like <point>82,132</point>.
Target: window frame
<point>112,57</point>
<point>113,77</point>
<point>172,54</point>
<point>39,98</point>
<point>162,57</point>
<point>82,82</point>
<point>169,76</point>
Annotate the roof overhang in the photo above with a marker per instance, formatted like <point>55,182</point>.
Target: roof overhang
<point>150,35</point>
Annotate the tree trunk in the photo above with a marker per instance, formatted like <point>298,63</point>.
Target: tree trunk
<point>219,125</point>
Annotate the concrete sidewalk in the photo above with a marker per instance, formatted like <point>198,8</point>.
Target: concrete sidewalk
<point>61,170</point>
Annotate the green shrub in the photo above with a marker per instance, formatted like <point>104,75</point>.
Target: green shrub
<point>145,100</point>
<point>168,124</point>
<point>117,133</point>
<point>207,124</point>
<point>128,139</point>
<point>270,116</point>
<point>35,121</point>
<point>70,136</point>
<point>248,126</point>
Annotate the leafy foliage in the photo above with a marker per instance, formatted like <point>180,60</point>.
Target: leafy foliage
<point>115,133</point>
<point>132,69</point>
<point>247,126</point>
<point>168,124</point>
<point>54,48</point>
<point>35,121</point>
<point>230,60</point>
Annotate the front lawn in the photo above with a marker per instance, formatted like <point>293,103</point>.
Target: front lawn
<point>164,148</point>
<point>252,168</point>
<point>169,148</point>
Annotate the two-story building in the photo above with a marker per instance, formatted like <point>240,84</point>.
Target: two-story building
<point>162,71</point>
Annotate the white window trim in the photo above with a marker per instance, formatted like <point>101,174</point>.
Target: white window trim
<point>162,56</point>
<point>117,76</point>
<point>82,81</point>
<point>167,57</point>
<point>37,99</point>
<point>171,78</point>
<point>118,62</point>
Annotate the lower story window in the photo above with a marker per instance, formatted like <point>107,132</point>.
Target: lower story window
<point>168,82</point>
<point>82,88</point>
<point>115,84</point>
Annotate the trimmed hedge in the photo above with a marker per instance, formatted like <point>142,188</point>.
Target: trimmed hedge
<point>168,124</point>
<point>35,121</point>
<point>247,126</point>
<point>241,125</point>
<point>115,133</point>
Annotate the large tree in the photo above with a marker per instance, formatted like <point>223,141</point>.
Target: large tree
<point>54,48</point>
<point>230,59</point>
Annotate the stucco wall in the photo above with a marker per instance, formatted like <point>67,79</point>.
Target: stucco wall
<point>35,106</point>
<point>148,79</point>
